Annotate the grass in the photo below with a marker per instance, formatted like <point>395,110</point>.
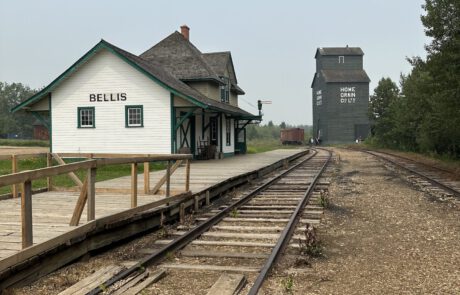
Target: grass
<point>24,142</point>
<point>104,173</point>
<point>288,284</point>
<point>264,145</point>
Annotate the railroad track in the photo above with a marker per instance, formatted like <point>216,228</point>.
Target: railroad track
<point>436,180</point>
<point>239,242</point>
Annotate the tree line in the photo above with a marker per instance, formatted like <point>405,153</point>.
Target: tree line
<point>423,113</point>
<point>18,124</point>
<point>271,131</point>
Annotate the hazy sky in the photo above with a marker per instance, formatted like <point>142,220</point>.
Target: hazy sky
<point>272,42</point>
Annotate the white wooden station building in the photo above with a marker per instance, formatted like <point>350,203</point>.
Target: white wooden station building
<point>170,99</point>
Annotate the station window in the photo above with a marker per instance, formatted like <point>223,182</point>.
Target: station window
<point>228,132</point>
<point>134,116</point>
<point>225,90</point>
<point>341,59</point>
<point>86,117</point>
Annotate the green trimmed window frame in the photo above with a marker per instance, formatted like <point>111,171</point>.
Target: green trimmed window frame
<point>134,116</point>
<point>86,115</point>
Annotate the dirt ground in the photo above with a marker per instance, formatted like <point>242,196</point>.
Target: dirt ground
<point>8,150</point>
<point>381,236</point>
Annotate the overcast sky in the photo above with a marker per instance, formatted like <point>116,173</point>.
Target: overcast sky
<point>272,42</point>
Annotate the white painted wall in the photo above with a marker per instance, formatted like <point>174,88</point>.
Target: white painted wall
<point>225,147</point>
<point>107,73</point>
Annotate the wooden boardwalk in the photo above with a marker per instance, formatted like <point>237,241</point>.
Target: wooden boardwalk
<point>52,210</point>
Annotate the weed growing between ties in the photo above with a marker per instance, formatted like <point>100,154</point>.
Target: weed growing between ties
<point>324,198</point>
<point>170,256</point>
<point>234,213</point>
<point>164,233</point>
<point>288,284</point>
<point>312,246</point>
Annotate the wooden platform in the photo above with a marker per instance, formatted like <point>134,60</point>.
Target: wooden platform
<point>52,210</point>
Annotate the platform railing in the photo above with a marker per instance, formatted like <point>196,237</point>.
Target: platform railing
<point>88,188</point>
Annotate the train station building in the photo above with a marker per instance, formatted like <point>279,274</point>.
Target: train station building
<point>170,99</point>
<point>340,95</point>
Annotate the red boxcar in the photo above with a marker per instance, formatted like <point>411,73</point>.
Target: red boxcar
<point>292,136</point>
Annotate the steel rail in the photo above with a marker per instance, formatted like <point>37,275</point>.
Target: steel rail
<point>427,178</point>
<point>287,232</point>
<point>194,233</point>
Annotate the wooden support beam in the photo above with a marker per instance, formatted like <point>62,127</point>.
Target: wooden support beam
<point>49,179</point>
<point>91,198</point>
<point>72,175</point>
<point>168,179</point>
<point>187,175</point>
<point>197,203</point>
<point>133,185</point>
<point>185,117</point>
<point>26,215</point>
<point>14,169</point>
<point>208,199</point>
<point>182,212</point>
<point>157,186</point>
<point>146,178</point>
<point>80,205</point>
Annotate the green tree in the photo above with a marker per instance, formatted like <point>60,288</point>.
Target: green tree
<point>386,92</point>
<point>426,116</point>
<point>283,125</point>
<point>382,111</point>
<point>19,123</point>
<point>439,131</point>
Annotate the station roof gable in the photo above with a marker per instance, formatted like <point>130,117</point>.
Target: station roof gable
<point>151,69</point>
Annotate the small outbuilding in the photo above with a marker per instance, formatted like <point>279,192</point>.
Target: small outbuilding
<point>340,95</point>
<point>170,99</point>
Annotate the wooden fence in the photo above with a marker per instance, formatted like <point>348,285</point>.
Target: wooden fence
<point>87,187</point>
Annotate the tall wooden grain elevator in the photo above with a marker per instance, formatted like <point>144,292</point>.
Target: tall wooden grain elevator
<point>340,95</point>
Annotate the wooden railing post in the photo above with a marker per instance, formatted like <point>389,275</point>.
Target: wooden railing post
<point>168,179</point>
<point>133,185</point>
<point>14,169</point>
<point>26,215</point>
<point>49,163</point>
<point>91,195</point>
<point>187,175</point>
<point>146,178</point>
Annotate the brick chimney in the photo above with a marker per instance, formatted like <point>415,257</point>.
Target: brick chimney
<point>185,31</point>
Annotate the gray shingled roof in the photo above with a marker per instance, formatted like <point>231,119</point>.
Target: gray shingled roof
<point>218,61</point>
<point>339,51</point>
<point>331,76</point>
<point>181,58</point>
<point>156,69</point>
